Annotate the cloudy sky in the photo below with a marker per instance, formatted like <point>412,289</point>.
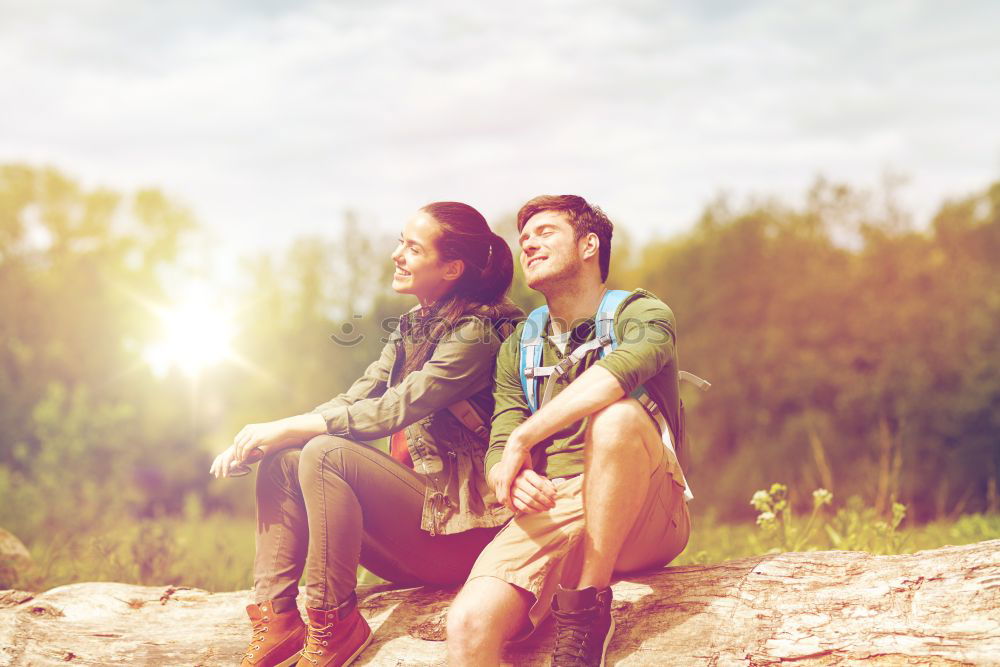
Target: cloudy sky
<point>269,119</point>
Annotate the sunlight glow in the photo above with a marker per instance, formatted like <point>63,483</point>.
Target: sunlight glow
<point>195,336</point>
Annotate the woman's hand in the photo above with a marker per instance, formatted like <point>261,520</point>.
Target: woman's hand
<point>265,437</point>
<point>268,437</point>
<point>224,462</point>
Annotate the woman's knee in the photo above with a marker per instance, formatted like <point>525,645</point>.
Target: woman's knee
<point>280,469</point>
<point>326,453</point>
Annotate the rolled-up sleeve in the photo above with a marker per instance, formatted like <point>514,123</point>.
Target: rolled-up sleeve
<point>461,365</point>
<point>646,343</point>
<point>372,383</point>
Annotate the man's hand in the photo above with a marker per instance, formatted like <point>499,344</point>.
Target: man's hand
<point>532,492</point>
<point>502,475</point>
<point>515,484</point>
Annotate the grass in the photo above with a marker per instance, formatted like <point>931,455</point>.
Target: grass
<point>216,552</point>
<point>853,526</point>
<point>713,542</point>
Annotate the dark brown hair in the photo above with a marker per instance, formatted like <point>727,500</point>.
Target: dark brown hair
<point>583,217</point>
<point>483,285</point>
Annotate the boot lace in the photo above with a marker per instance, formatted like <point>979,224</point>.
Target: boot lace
<point>573,632</point>
<point>317,639</point>
<point>259,628</point>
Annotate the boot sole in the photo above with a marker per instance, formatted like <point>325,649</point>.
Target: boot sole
<point>354,656</point>
<point>290,661</point>
<point>607,640</point>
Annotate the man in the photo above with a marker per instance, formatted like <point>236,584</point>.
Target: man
<point>595,488</point>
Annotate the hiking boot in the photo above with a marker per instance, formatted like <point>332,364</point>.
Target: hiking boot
<point>335,637</point>
<point>277,637</point>
<point>583,626</point>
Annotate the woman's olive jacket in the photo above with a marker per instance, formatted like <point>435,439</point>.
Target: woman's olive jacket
<point>448,454</point>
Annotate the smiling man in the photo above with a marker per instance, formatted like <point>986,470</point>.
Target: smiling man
<point>581,447</point>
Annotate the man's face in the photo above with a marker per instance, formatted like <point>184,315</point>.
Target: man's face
<point>549,249</point>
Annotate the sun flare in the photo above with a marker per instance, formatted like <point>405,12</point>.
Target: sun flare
<point>195,336</point>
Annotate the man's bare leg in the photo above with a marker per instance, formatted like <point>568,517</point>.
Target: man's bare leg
<point>486,613</point>
<point>622,449</point>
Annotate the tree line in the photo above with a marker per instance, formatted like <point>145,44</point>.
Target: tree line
<point>848,348</point>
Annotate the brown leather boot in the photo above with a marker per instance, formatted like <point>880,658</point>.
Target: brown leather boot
<point>334,638</point>
<point>277,637</point>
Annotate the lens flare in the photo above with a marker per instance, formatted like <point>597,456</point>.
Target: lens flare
<point>195,336</point>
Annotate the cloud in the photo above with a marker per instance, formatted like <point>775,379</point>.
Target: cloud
<point>270,119</point>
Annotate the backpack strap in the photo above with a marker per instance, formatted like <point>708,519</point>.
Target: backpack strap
<point>531,354</point>
<point>604,321</point>
<point>604,339</point>
<point>570,360</point>
<point>666,436</point>
<point>469,417</point>
<point>691,378</point>
<point>463,410</point>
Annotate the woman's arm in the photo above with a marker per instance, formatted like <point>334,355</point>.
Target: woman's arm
<point>461,365</point>
<point>268,437</point>
<point>371,383</point>
<point>297,430</point>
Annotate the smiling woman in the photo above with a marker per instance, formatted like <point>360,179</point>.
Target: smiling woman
<point>419,514</point>
<point>195,336</point>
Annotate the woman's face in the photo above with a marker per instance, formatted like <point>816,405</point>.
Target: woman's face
<point>419,269</point>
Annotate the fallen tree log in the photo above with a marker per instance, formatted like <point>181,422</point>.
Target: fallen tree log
<point>939,607</point>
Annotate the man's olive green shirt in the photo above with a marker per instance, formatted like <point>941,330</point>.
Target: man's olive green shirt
<point>645,356</point>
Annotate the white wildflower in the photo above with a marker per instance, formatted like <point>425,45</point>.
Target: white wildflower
<point>822,497</point>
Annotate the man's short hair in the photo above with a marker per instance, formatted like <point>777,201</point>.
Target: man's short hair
<point>583,217</point>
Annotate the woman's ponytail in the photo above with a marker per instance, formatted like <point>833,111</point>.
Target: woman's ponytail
<point>495,278</point>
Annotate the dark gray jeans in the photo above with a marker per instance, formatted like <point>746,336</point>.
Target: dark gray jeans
<point>335,503</point>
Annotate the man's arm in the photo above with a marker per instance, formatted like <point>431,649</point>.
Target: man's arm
<point>646,346</point>
<point>510,408</point>
<point>645,332</point>
<point>514,482</point>
<point>595,389</point>
<point>532,492</point>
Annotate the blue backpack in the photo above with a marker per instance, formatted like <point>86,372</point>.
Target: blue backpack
<point>605,341</point>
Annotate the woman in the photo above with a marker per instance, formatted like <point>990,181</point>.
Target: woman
<point>419,515</point>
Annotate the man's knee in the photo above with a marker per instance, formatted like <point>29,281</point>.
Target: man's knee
<point>623,424</point>
<point>465,622</point>
<point>485,613</point>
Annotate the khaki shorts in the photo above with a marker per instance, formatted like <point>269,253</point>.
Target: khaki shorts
<point>537,551</point>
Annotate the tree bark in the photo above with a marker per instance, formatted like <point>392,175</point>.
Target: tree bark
<point>939,607</point>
